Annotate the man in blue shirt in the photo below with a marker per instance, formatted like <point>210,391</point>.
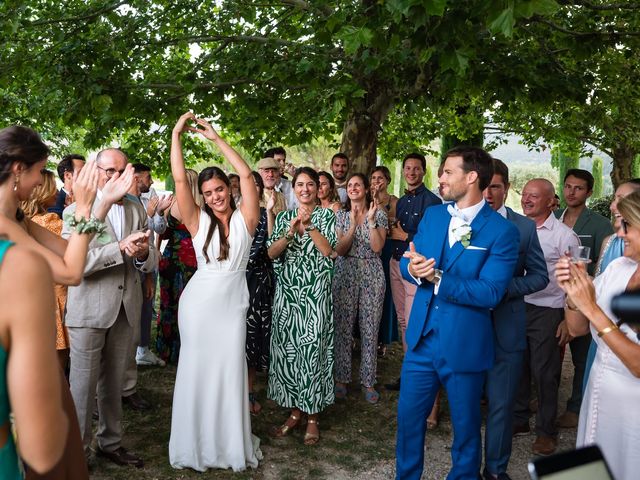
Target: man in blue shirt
<point>409,212</point>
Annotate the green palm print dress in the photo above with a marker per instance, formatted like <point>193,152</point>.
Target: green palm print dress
<point>301,363</point>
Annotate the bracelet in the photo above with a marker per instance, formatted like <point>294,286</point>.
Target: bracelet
<point>84,226</point>
<point>288,236</point>
<point>573,309</point>
<point>606,330</point>
<point>373,225</point>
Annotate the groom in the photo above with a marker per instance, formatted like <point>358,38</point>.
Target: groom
<point>462,260</point>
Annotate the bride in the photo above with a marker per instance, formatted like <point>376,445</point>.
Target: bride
<point>210,423</point>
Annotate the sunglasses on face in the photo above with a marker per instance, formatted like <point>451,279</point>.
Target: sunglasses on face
<point>625,225</point>
<point>110,172</point>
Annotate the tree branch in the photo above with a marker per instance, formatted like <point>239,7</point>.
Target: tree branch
<point>77,18</point>
<point>227,38</point>
<point>610,6</point>
<point>559,28</point>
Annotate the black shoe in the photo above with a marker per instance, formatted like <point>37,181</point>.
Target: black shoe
<point>395,386</point>
<point>136,402</point>
<point>500,476</point>
<point>519,430</point>
<point>121,457</point>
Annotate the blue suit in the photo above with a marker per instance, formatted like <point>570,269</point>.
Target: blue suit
<point>510,327</point>
<point>450,335</point>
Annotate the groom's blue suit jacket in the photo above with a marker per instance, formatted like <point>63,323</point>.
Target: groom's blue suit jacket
<point>474,281</point>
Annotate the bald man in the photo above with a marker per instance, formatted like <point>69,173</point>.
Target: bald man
<point>546,329</point>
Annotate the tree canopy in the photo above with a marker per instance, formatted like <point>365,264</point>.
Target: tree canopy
<point>398,72</point>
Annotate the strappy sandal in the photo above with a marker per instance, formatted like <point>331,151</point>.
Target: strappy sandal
<point>371,396</point>
<point>284,429</point>
<point>341,392</point>
<point>311,438</point>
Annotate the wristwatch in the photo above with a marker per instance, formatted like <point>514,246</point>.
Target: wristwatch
<point>309,227</point>
<point>437,276</point>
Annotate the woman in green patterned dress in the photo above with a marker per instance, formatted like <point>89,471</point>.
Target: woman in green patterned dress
<point>301,364</point>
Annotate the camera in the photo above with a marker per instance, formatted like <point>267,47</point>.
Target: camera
<point>626,307</point>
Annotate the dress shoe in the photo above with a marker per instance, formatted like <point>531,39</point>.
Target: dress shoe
<point>544,445</point>
<point>489,476</point>
<point>121,457</point>
<point>136,402</point>
<point>567,420</point>
<point>395,386</point>
<point>520,430</point>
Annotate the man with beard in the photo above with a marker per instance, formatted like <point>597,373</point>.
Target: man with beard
<point>340,169</point>
<point>461,260</point>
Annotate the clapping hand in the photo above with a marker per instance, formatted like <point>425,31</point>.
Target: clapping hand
<point>419,265</point>
<point>152,206</point>
<point>271,202</point>
<point>304,215</point>
<point>355,216</point>
<point>85,186</point>
<point>371,214</point>
<point>164,203</point>
<point>136,245</point>
<point>293,226</point>
<point>118,185</point>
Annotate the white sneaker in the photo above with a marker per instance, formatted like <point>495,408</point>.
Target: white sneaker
<point>144,356</point>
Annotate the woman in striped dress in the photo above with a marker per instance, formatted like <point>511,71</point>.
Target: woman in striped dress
<point>301,363</point>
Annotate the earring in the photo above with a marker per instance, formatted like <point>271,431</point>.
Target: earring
<point>15,183</point>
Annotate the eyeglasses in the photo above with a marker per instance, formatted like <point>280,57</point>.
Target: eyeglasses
<point>624,224</point>
<point>110,172</point>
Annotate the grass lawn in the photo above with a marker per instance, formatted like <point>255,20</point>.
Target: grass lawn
<point>354,434</point>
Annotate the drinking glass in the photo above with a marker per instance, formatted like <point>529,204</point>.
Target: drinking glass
<point>580,254</point>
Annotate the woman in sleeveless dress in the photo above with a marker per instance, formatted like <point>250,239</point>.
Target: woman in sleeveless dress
<point>210,423</point>
<point>24,157</point>
<point>609,415</point>
<point>29,386</point>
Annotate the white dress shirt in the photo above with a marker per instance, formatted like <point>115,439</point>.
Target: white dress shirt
<point>555,239</point>
<point>465,215</point>
<point>115,217</point>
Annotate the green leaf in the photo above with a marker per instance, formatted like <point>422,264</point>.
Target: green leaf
<point>503,23</point>
<point>353,38</point>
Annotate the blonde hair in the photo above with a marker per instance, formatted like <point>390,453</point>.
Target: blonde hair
<point>35,204</point>
<point>192,179</point>
<point>629,208</point>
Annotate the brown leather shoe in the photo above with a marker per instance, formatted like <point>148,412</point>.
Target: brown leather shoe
<point>544,445</point>
<point>121,457</point>
<point>567,420</point>
<point>136,402</point>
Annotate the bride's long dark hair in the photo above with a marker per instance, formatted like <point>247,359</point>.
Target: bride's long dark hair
<point>205,175</point>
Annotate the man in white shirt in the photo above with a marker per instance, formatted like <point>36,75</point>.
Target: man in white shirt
<point>103,315</point>
<point>547,332</point>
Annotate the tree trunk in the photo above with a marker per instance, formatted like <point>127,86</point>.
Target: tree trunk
<point>623,163</point>
<point>359,142</point>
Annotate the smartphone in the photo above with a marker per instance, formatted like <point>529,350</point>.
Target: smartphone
<point>585,463</point>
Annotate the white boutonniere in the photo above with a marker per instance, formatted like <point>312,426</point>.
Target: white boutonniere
<point>462,234</point>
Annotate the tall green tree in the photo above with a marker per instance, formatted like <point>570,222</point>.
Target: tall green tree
<point>596,170</point>
<point>563,159</point>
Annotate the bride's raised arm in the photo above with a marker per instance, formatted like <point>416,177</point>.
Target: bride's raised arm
<point>250,206</point>
<point>189,210</point>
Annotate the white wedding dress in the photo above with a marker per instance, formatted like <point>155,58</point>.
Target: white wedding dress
<point>610,412</point>
<point>210,422</point>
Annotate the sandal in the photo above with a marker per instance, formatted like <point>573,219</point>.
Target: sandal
<point>341,392</point>
<point>311,438</point>
<point>284,429</point>
<point>254,406</point>
<point>371,396</point>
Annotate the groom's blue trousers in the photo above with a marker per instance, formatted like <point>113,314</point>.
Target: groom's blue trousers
<point>423,372</point>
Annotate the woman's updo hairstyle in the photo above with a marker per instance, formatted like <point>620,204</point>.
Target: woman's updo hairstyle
<point>629,208</point>
<point>310,172</point>
<point>22,145</point>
